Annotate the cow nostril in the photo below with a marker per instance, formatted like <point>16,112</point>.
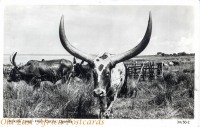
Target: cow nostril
<point>94,93</point>
<point>98,92</point>
<point>101,93</point>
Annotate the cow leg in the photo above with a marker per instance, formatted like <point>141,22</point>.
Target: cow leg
<point>69,76</point>
<point>37,83</point>
<point>108,112</point>
<point>101,115</point>
<point>103,106</point>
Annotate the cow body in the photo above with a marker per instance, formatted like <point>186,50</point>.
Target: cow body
<point>170,63</point>
<point>47,68</point>
<point>118,76</point>
<point>176,63</point>
<point>50,70</point>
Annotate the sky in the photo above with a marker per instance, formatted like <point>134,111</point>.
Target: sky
<point>96,29</point>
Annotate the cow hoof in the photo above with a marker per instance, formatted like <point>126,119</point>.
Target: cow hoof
<point>106,114</point>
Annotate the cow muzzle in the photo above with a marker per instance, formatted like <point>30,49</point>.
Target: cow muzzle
<point>99,92</point>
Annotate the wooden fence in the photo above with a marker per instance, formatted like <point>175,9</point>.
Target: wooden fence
<point>144,71</point>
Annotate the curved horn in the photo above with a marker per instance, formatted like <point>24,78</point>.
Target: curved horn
<point>136,50</point>
<point>71,49</point>
<point>74,60</point>
<point>13,60</point>
<point>15,65</point>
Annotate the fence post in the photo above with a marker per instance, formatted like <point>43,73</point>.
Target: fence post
<point>150,71</point>
<point>135,71</point>
<point>144,72</point>
<point>160,69</point>
<point>139,75</point>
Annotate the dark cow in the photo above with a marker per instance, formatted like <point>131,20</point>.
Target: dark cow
<point>82,71</point>
<point>108,70</point>
<point>176,63</point>
<point>33,70</point>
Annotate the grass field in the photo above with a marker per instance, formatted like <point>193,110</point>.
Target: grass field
<point>171,96</point>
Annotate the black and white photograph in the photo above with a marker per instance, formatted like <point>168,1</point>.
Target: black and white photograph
<point>99,61</point>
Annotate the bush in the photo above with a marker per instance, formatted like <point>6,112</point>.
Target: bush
<point>165,88</point>
<point>186,84</point>
<point>170,81</point>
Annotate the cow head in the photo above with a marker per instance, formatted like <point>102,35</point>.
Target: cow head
<point>18,72</point>
<point>102,74</point>
<point>102,65</point>
<point>14,74</point>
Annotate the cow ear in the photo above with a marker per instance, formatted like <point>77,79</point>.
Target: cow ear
<point>111,65</point>
<point>74,60</point>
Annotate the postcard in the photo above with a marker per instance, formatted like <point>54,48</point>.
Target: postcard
<point>100,63</point>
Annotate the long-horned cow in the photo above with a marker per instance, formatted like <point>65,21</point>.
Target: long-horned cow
<point>108,70</point>
<point>34,70</point>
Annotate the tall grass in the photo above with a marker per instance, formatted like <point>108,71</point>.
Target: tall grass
<point>167,97</point>
<point>170,96</point>
<point>73,99</point>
